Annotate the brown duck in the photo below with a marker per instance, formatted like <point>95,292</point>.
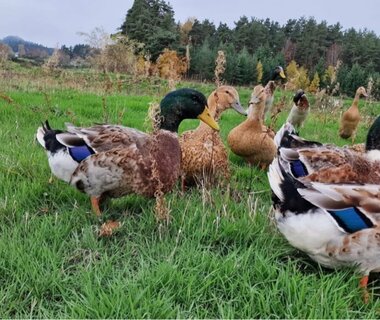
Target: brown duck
<point>251,139</point>
<point>204,156</point>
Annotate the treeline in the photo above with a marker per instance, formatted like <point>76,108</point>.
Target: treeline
<point>26,48</point>
<point>315,46</point>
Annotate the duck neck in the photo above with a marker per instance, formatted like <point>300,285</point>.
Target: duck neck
<point>170,122</point>
<point>274,76</point>
<point>257,113</point>
<point>212,102</point>
<point>355,103</point>
<point>215,111</point>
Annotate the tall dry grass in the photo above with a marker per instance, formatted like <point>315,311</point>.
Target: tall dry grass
<point>220,67</point>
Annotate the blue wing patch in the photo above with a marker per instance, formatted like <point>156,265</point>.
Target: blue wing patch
<point>80,153</point>
<point>298,169</point>
<point>351,219</point>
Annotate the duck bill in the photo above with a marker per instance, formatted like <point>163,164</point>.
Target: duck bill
<point>282,75</point>
<point>238,108</point>
<point>206,117</point>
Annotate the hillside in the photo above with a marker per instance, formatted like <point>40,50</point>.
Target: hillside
<point>27,48</point>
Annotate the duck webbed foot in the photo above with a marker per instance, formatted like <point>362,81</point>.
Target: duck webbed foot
<point>95,204</point>
<point>363,285</point>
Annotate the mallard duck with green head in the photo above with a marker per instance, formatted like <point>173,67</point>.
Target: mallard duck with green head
<point>113,161</point>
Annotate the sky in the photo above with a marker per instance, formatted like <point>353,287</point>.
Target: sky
<point>57,22</point>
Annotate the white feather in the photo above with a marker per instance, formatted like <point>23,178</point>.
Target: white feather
<point>289,154</point>
<point>297,116</point>
<point>328,191</point>
<point>287,127</point>
<point>98,180</point>
<point>40,136</point>
<point>62,165</point>
<point>321,200</point>
<point>275,178</point>
<point>373,155</point>
<point>343,191</point>
<point>310,232</point>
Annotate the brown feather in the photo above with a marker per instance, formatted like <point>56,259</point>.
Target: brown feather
<point>141,168</point>
<point>203,152</point>
<point>251,139</point>
<point>351,117</point>
<point>335,165</point>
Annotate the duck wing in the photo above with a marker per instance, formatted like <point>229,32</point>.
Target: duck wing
<point>329,164</point>
<point>358,206</point>
<point>101,138</point>
<point>323,162</point>
<point>353,207</point>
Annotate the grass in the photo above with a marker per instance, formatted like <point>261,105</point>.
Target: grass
<point>221,256</point>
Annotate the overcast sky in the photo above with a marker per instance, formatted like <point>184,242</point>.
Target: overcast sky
<point>57,22</point>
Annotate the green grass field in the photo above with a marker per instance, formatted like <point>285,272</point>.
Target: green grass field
<point>220,257</point>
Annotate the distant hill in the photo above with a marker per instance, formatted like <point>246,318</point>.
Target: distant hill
<point>27,48</point>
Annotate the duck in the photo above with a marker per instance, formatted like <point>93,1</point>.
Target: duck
<point>326,200</point>
<point>251,139</point>
<point>204,156</point>
<point>350,118</point>
<point>110,161</point>
<point>300,109</point>
<point>270,87</point>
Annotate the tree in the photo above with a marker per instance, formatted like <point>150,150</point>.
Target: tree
<point>314,45</point>
<point>246,68</point>
<point>152,22</point>
<point>329,76</point>
<point>355,78</point>
<point>223,34</point>
<point>82,50</point>
<point>303,79</point>
<point>333,54</point>
<point>231,62</point>
<point>292,75</point>
<point>314,85</point>
<point>184,30</point>
<point>5,53</point>
<point>201,32</point>
<point>170,65</point>
<point>138,21</point>
<point>203,59</point>
<point>289,50</point>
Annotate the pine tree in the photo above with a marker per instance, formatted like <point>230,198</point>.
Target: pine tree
<point>245,72</point>
<point>203,60</point>
<point>152,22</point>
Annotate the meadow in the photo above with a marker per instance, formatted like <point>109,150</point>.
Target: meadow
<point>220,257</point>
